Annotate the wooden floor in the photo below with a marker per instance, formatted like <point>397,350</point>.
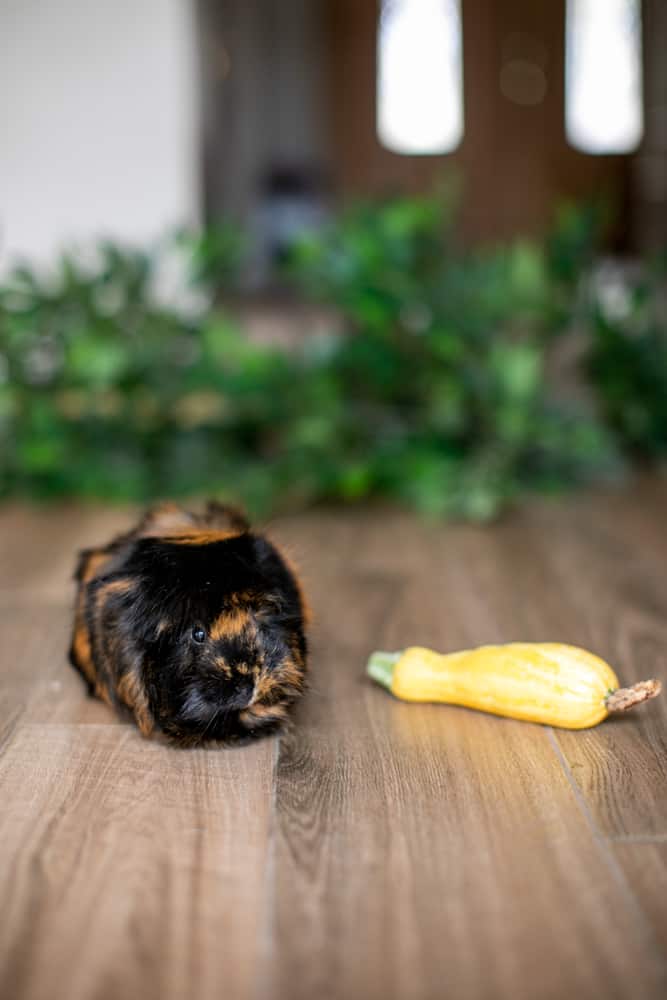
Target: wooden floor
<point>377,850</point>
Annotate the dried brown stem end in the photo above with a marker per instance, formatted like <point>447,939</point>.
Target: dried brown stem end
<point>625,698</point>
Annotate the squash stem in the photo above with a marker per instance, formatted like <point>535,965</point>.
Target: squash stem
<point>381,667</point>
<point>625,698</point>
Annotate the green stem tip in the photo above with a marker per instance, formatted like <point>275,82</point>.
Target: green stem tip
<point>381,667</point>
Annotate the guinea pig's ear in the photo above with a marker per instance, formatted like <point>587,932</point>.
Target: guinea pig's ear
<point>222,515</point>
<point>165,519</point>
<point>91,563</point>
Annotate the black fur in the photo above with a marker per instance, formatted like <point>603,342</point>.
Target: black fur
<point>146,597</point>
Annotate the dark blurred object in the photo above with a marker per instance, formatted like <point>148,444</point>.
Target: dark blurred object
<point>648,215</point>
<point>264,117</point>
<point>291,204</point>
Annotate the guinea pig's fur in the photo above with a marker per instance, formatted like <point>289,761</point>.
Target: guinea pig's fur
<point>193,624</point>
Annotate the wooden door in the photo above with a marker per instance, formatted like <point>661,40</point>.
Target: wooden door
<point>514,162</point>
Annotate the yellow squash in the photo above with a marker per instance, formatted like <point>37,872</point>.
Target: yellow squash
<point>545,682</point>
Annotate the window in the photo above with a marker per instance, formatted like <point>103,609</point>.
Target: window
<point>419,86</point>
<point>603,83</point>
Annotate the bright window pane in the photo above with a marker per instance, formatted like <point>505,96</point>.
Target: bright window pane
<point>603,80</point>
<point>419,87</point>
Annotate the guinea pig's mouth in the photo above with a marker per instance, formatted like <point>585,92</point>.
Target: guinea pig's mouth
<point>203,708</point>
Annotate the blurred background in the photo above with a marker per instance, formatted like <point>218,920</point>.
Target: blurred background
<point>289,251</point>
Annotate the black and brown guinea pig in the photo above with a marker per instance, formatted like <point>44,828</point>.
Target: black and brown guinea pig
<point>193,624</point>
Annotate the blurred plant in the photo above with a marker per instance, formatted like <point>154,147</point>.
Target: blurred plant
<point>213,256</point>
<point>434,393</point>
<point>105,392</point>
<point>627,361</point>
<point>442,366</point>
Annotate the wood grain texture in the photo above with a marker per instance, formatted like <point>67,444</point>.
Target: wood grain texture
<point>425,845</point>
<point>40,547</point>
<point>36,685</point>
<point>645,867</point>
<point>616,577</point>
<point>134,870</point>
<point>376,849</point>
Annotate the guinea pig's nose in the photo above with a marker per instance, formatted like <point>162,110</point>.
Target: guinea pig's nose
<point>241,690</point>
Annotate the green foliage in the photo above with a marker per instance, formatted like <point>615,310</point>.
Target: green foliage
<point>213,255</point>
<point>442,363</point>
<point>434,392</point>
<point>627,362</point>
<point>109,394</point>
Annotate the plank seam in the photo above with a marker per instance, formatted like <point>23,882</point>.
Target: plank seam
<point>637,838</point>
<point>609,860</point>
<point>267,927</point>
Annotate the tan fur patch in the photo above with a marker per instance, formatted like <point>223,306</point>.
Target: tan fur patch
<point>199,537</point>
<point>102,692</point>
<point>82,651</point>
<point>230,623</point>
<point>286,676</point>
<point>169,520</point>
<point>95,562</point>
<point>264,686</point>
<point>258,712</point>
<point>132,694</point>
<point>165,519</point>
<point>122,586</point>
<point>289,673</point>
<point>223,666</point>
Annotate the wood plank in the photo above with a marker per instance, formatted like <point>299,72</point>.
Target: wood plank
<point>130,868</point>
<point>413,851</point>
<point>618,594</point>
<point>645,868</point>
<point>38,548</point>
<point>566,573</point>
<point>369,538</point>
<point>37,684</point>
<point>426,850</point>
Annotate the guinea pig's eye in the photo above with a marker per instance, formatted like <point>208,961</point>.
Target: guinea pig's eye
<point>198,634</point>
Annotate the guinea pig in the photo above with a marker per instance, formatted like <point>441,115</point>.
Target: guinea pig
<point>193,625</point>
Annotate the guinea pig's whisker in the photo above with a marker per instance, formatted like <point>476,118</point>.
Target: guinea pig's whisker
<point>214,718</point>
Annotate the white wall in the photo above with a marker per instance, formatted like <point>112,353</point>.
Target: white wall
<point>98,125</point>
